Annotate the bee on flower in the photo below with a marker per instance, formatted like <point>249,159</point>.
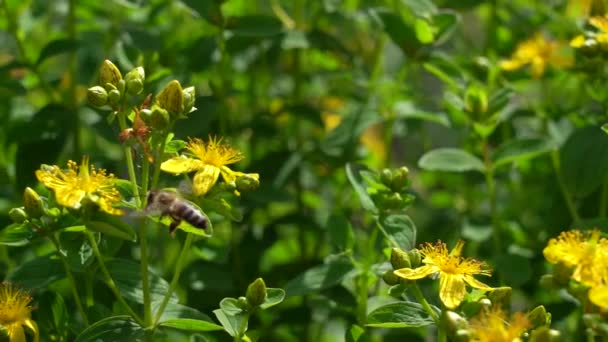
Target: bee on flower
<point>15,312</point>
<point>538,52</point>
<point>80,182</point>
<point>454,272</point>
<point>209,160</point>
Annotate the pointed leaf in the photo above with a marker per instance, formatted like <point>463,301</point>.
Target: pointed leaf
<point>400,229</point>
<point>116,329</point>
<point>56,47</point>
<point>38,273</point>
<point>399,315</point>
<point>191,325</point>
<point>233,324</point>
<point>522,149</point>
<point>450,159</point>
<point>273,297</point>
<point>352,172</point>
<point>320,277</point>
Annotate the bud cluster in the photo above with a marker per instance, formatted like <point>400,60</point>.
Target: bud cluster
<point>112,87</point>
<point>33,208</point>
<point>392,192</point>
<point>401,259</point>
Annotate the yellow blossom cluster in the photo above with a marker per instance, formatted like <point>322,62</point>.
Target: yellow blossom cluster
<point>493,325</point>
<point>585,254</point>
<point>538,52</point>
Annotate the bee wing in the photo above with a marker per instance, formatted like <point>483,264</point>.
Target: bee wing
<point>185,188</point>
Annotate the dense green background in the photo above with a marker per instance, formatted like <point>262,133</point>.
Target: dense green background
<point>269,76</point>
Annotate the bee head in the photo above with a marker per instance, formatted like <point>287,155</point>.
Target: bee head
<point>151,195</point>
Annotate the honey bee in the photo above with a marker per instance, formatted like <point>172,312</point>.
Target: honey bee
<point>169,204</point>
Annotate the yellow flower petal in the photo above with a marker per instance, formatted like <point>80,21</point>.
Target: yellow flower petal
<point>34,327</point>
<point>108,208</point>
<point>476,283</point>
<point>69,197</point>
<point>416,273</point>
<point>538,67</point>
<point>179,165</point>
<point>510,64</point>
<point>204,179</point>
<point>451,290</point>
<point>600,23</point>
<point>15,333</point>
<point>578,41</point>
<point>599,296</point>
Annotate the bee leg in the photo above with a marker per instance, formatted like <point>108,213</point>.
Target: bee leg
<point>174,225</point>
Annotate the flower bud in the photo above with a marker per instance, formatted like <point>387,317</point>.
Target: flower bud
<point>247,182</point>
<point>400,179</point>
<point>135,81</point>
<point>390,278</point>
<point>415,257</point>
<point>109,73</point>
<point>171,98</point>
<point>17,215</point>
<point>455,321</point>
<point>114,97</point>
<point>539,317</point>
<point>243,304</point>
<point>33,203</point>
<point>399,259</point>
<point>501,296</point>
<point>189,98</point>
<point>97,96</point>
<point>256,292</point>
<point>476,101</point>
<point>158,117</point>
<point>386,177</point>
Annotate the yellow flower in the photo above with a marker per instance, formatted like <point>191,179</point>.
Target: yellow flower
<point>76,183</point>
<point>598,295</point>
<point>209,160</point>
<point>583,252</point>
<point>538,52</point>
<point>454,272</point>
<point>15,312</point>
<point>492,326</point>
<point>600,37</point>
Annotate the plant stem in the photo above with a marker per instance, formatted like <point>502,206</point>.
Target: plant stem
<point>143,245</point>
<point>178,270</point>
<point>73,104</point>
<point>109,279</point>
<point>562,185</point>
<point>490,183</point>
<point>158,157</point>
<point>71,279</point>
<point>122,122</point>
<point>427,307</point>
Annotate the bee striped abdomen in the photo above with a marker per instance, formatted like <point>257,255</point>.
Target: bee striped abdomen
<point>192,216</point>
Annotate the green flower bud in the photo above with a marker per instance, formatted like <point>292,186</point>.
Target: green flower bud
<point>171,98</point>
<point>135,81</point>
<point>455,321</point>
<point>114,97</point>
<point>390,278</point>
<point>189,98</point>
<point>476,102</point>
<point>393,201</point>
<point>256,292</point>
<point>17,215</point>
<point>400,179</point>
<point>399,259</point>
<point>243,304</point>
<point>158,117</point>
<point>386,177</point>
<point>109,73</point>
<point>547,281</point>
<point>33,203</point>
<point>247,182</point>
<point>97,96</point>
<point>121,85</point>
<point>545,334</point>
<point>539,317</point>
<point>501,296</point>
<point>415,257</point>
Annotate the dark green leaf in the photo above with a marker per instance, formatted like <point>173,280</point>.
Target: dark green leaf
<point>38,273</point>
<point>175,310</point>
<point>255,26</point>
<point>209,10</point>
<point>56,47</point>
<point>53,318</point>
<point>320,277</point>
<point>399,315</point>
<point>421,8</point>
<point>340,232</point>
<point>400,229</point>
<point>191,325</point>
<point>352,172</point>
<point>522,149</point>
<point>116,329</point>
<point>405,110</point>
<point>127,276</point>
<point>401,33</point>
<point>584,160</point>
<point>273,297</point>
<point>354,333</point>
<point>445,22</point>
<point>16,234</point>
<point>514,269</point>
<point>450,159</point>
<point>122,231</point>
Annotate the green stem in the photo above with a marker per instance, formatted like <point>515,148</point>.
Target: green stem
<point>178,270</point>
<point>362,298</point>
<point>122,122</point>
<point>71,279</point>
<point>159,155</point>
<point>143,245</point>
<point>73,104</point>
<point>427,307</point>
<point>562,185</point>
<point>490,183</point>
<point>604,199</point>
<point>110,282</point>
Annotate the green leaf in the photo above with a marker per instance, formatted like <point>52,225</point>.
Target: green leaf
<point>400,229</point>
<point>445,23</point>
<point>116,329</point>
<point>53,318</point>
<point>233,324</point>
<point>522,149</point>
<point>38,272</point>
<point>584,160</point>
<point>209,10</point>
<point>514,269</point>
<point>424,31</point>
<point>56,47</point>
<point>255,26</point>
<point>121,231</point>
<point>352,172</point>
<point>421,8</point>
<point>401,33</point>
<point>274,297</point>
<point>176,310</point>
<point>127,276</point>
<point>16,234</point>
<point>191,325</point>
<point>450,159</point>
<point>406,110</point>
<point>230,306</point>
<point>399,315</point>
<point>320,277</point>
<point>354,333</point>
<point>340,232</point>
